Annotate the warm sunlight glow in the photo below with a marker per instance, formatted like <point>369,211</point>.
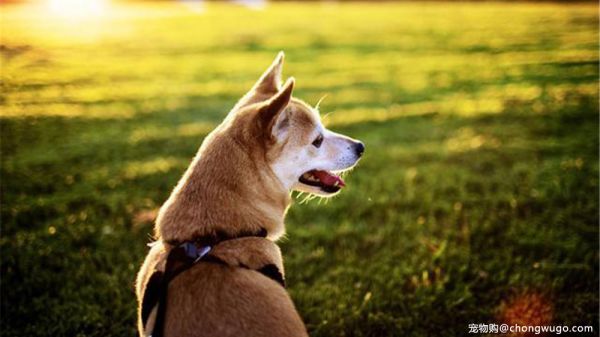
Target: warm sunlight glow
<point>77,8</point>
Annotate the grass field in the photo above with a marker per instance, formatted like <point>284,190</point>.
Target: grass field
<point>476,200</point>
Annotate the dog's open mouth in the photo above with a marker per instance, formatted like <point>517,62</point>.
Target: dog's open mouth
<point>327,181</point>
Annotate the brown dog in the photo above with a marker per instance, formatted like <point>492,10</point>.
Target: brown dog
<point>216,232</point>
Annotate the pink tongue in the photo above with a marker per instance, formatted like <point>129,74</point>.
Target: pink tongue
<point>328,179</point>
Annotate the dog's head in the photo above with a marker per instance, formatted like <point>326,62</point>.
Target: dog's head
<point>303,154</point>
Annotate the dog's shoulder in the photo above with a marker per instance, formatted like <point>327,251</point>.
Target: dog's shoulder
<point>254,253</point>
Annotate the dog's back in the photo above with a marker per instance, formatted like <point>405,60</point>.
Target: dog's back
<point>224,299</point>
<point>237,302</point>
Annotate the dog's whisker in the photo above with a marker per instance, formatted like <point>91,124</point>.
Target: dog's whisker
<point>320,100</point>
<point>325,117</point>
<point>306,199</point>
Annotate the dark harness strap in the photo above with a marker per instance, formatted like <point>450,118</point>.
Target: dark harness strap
<point>220,236</point>
<point>180,259</point>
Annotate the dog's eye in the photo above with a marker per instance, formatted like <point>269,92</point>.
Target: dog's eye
<point>317,142</point>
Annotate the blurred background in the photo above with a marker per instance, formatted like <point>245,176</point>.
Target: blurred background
<point>476,200</point>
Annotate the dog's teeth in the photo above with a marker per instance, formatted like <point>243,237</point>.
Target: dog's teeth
<point>336,183</point>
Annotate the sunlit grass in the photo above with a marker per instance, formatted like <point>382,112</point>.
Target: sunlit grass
<point>153,166</point>
<point>400,61</point>
<point>153,133</point>
<point>479,185</point>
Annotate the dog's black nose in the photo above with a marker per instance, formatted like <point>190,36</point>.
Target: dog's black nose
<point>359,148</point>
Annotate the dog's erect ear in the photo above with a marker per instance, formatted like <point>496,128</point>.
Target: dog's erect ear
<point>270,81</point>
<point>273,118</point>
<point>267,86</point>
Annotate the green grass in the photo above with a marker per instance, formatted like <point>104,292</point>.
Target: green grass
<point>479,185</point>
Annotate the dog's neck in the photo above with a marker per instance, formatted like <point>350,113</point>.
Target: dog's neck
<point>226,191</point>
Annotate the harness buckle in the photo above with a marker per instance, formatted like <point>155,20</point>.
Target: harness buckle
<point>194,252</point>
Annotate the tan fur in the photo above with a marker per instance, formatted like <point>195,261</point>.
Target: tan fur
<point>229,188</point>
<point>250,254</point>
